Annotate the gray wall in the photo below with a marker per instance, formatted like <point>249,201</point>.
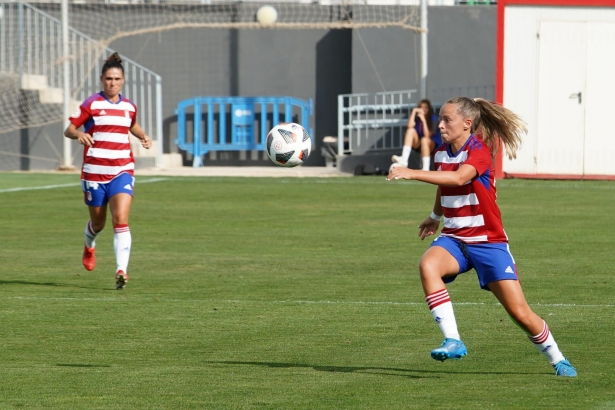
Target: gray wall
<point>461,55</point>
<point>307,64</point>
<point>316,64</point>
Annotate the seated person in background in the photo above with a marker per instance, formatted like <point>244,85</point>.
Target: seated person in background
<point>422,132</point>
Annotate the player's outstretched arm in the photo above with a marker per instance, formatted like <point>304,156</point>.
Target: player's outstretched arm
<point>462,176</point>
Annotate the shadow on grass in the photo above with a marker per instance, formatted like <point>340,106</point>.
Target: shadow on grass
<point>371,369</point>
<point>26,282</point>
<point>82,365</point>
<point>54,284</point>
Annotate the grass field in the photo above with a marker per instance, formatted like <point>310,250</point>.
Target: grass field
<point>251,293</point>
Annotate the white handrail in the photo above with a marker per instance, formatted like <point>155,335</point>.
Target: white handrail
<point>35,38</point>
<point>372,122</point>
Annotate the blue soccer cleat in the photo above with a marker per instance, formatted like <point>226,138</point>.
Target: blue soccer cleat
<point>565,369</point>
<point>450,349</point>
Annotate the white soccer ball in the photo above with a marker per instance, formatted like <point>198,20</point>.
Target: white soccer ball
<point>266,14</point>
<point>288,144</point>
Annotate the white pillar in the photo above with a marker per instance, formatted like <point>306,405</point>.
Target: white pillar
<point>159,137</point>
<point>67,160</point>
<point>423,48</point>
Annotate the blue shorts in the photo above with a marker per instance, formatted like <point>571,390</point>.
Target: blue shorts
<point>97,194</point>
<point>492,261</point>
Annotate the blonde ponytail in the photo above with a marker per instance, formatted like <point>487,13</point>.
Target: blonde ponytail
<point>498,125</point>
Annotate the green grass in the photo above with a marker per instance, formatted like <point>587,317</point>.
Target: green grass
<point>295,294</point>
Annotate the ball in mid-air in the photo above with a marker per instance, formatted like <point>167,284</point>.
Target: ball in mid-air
<point>266,14</point>
<point>288,144</point>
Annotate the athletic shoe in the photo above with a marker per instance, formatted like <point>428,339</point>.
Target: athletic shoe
<point>89,259</point>
<point>564,368</point>
<point>121,279</point>
<point>399,160</point>
<point>450,349</point>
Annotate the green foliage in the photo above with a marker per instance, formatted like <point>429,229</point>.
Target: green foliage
<point>293,293</point>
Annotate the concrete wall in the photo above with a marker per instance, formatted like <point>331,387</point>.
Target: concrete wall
<point>307,64</point>
<point>461,55</point>
<point>316,64</point>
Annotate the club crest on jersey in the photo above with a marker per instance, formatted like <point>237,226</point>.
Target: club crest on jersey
<point>126,113</point>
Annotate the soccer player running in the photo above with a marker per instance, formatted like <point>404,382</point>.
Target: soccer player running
<point>108,164</point>
<point>473,235</point>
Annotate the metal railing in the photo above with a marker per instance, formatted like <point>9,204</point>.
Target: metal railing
<point>373,122</point>
<point>377,122</point>
<point>31,47</point>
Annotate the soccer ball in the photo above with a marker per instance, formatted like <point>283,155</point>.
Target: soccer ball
<point>288,144</point>
<point>266,14</point>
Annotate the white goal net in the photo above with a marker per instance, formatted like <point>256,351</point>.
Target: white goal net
<point>31,58</point>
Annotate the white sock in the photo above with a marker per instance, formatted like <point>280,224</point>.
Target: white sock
<point>442,311</point>
<point>545,343</point>
<point>405,152</point>
<point>90,235</point>
<point>121,245</point>
<point>426,163</point>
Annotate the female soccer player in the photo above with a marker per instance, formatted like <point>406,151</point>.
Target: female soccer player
<point>473,235</point>
<point>108,165</point>
<point>420,133</point>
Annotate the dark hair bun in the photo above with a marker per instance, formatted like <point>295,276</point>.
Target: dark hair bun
<point>113,61</point>
<point>115,57</point>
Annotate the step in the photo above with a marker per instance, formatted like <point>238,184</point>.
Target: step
<point>33,82</point>
<point>51,96</point>
<point>173,160</point>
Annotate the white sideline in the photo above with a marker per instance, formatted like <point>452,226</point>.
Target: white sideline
<point>321,302</point>
<point>423,303</point>
<point>34,188</point>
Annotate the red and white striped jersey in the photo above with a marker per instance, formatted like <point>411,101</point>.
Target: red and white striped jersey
<point>470,211</point>
<point>109,125</point>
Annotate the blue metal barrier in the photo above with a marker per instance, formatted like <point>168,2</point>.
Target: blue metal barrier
<point>251,118</point>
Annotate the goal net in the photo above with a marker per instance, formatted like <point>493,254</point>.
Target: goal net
<point>32,59</point>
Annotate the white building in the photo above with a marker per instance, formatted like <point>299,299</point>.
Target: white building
<point>556,68</point>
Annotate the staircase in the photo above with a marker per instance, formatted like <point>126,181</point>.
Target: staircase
<point>31,65</point>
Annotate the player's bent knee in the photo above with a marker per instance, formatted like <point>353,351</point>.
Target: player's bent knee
<point>429,268</point>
